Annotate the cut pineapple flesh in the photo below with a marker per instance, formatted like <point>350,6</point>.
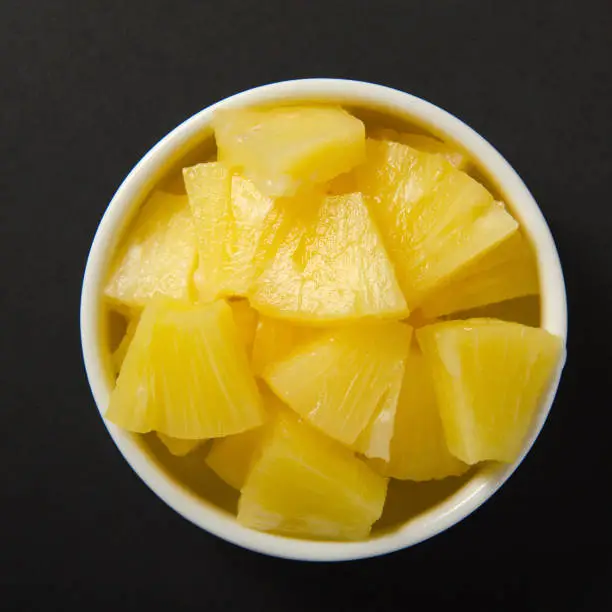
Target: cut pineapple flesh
<point>305,484</point>
<point>489,377</point>
<point>186,374</point>
<point>507,271</point>
<point>434,219</point>
<point>274,340</point>
<point>119,353</point>
<point>282,149</point>
<point>208,188</point>
<point>177,447</point>
<point>418,448</point>
<point>427,144</point>
<point>246,320</point>
<point>159,255</point>
<point>338,380</point>
<point>325,262</point>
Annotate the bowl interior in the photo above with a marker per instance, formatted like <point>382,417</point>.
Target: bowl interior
<point>413,511</point>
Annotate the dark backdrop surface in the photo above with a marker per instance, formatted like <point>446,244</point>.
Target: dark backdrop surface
<point>87,87</point>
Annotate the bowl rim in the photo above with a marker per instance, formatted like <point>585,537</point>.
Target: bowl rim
<point>352,93</point>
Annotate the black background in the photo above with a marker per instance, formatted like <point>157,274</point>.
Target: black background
<point>87,87</point>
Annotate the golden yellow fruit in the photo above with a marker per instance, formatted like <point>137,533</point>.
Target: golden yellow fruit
<point>338,380</point>
<point>119,353</point>
<point>178,447</point>
<point>158,255</point>
<point>305,484</point>
<point>246,319</point>
<point>324,262</point>
<point>282,149</point>
<point>489,377</point>
<point>186,374</point>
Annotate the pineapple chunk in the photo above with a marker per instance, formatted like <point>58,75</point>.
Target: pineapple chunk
<point>231,457</point>
<point>507,271</point>
<point>119,353</point>
<point>426,144</point>
<point>282,149</point>
<point>304,484</point>
<point>338,380</point>
<point>208,187</point>
<point>434,219</point>
<point>186,374</point>
<point>418,448</point>
<point>489,377</point>
<point>274,340</point>
<point>325,262</point>
<point>178,447</point>
<point>245,318</point>
<point>158,255</point>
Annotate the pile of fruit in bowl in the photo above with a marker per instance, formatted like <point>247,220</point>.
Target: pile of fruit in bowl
<point>296,312</point>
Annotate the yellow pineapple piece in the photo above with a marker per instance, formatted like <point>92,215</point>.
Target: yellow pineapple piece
<point>231,457</point>
<point>246,319</point>
<point>158,254</point>
<point>275,339</point>
<point>325,262</point>
<point>186,374</point>
<point>282,149</point>
<point>489,378</point>
<point>337,380</point>
<point>305,484</point>
<point>507,271</point>
<point>178,447</point>
<point>208,188</point>
<point>434,218</point>
<point>418,448</point>
<point>119,353</point>
<point>427,144</point>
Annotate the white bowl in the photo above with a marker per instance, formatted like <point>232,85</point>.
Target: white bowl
<point>176,144</point>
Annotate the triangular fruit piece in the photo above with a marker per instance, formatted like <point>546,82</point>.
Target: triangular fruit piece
<point>178,447</point>
<point>304,484</point>
<point>418,448</point>
<point>489,377</point>
<point>275,339</point>
<point>282,149</point>
<point>208,187</point>
<point>186,374</point>
<point>337,381</point>
<point>158,255</point>
<point>325,262</point>
<point>434,218</point>
<point>507,271</point>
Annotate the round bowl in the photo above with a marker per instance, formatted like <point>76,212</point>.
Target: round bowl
<point>194,133</point>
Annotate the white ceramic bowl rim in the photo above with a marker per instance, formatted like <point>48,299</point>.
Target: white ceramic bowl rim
<point>353,93</point>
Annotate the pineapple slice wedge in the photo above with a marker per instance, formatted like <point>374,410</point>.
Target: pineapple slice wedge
<point>282,149</point>
<point>506,272</point>
<point>186,374</point>
<point>305,484</point>
<point>418,448</point>
<point>489,377</point>
<point>434,219</point>
<point>337,380</point>
<point>325,262</point>
<point>158,256</point>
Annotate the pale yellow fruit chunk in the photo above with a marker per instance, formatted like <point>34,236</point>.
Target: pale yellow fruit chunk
<point>434,218</point>
<point>305,484</point>
<point>178,447</point>
<point>186,374</point>
<point>231,457</point>
<point>282,149</point>
<point>246,319</point>
<point>427,144</point>
<point>208,188</point>
<point>418,448</point>
<point>158,255</point>
<point>325,262</point>
<point>119,353</point>
<point>489,378</point>
<point>275,339</point>
<point>508,271</point>
<point>337,381</point>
